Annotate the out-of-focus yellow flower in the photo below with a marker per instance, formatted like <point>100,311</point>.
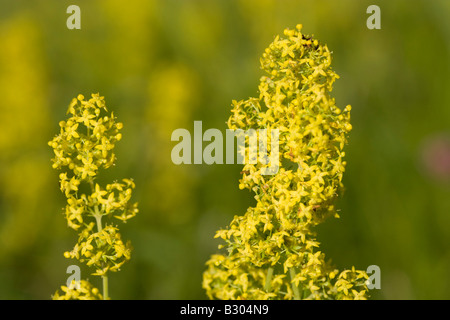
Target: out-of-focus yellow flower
<point>172,91</point>
<point>24,123</point>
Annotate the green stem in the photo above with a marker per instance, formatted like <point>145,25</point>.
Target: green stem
<point>294,287</point>
<point>98,218</point>
<point>105,287</point>
<point>268,279</point>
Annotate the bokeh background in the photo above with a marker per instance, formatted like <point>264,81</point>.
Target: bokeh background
<point>163,64</point>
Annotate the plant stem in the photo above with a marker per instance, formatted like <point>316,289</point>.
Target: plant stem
<point>294,287</point>
<point>105,287</point>
<point>268,279</point>
<point>98,218</point>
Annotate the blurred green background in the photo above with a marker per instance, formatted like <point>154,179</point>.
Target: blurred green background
<point>163,64</point>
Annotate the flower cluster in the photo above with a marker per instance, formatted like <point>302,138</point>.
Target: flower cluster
<point>81,290</point>
<point>85,144</point>
<point>87,138</point>
<point>272,249</point>
<point>103,250</point>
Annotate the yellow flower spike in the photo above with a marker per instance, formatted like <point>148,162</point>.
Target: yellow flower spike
<point>85,150</point>
<point>108,203</point>
<point>294,97</point>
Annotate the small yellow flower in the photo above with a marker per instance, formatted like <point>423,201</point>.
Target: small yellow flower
<point>108,203</point>
<point>75,213</point>
<point>86,117</point>
<point>98,193</point>
<point>71,131</point>
<point>69,186</point>
<point>88,168</point>
<point>82,290</point>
